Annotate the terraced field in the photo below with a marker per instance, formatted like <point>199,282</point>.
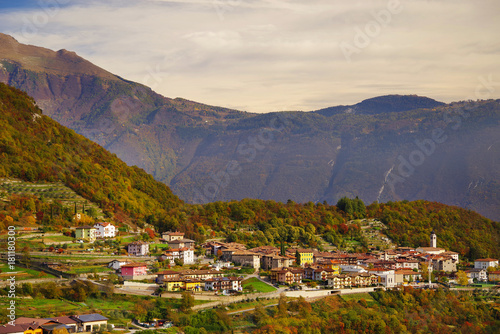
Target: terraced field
<point>49,191</point>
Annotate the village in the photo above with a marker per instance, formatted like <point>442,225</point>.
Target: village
<point>218,268</point>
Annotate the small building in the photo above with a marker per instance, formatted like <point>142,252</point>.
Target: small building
<point>271,261</point>
<point>185,254</point>
<point>85,232</point>
<point>181,243</point>
<point>479,274</point>
<point>340,282</point>
<point>485,263</point>
<point>90,322</point>
<point>105,230</point>
<point>138,248</point>
<point>132,271</point>
<point>171,236</point>
<point>407,276</point>
<point>305,256</point>
<point>287,275</point>
<point>223,284</point>
<point>70,323</point>
<point>494,276</point>
<point>246,258</point>
<point>117,264</point>
<point>183,284</point>
<point>165,275</point>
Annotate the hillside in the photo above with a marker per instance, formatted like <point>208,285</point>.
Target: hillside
<point>33,147</point>
<point>387,148</point>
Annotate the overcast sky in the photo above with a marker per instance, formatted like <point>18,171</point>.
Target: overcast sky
<point>272,55</point>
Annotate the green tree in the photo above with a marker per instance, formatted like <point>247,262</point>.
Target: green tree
<point>187,302</point>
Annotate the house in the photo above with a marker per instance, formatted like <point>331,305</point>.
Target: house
<point>453,255</point>
<point>386,277</point>
<point>184,254</point>
<point>116,264</point>
<point>70,323</point>
<point>287,275</point>
<point>223,284</point>
<point>407,264</point>
<point>305,256</point>
<point>479,274</point>
<point>494,276</point>
<point>200,274</point>
<point>406,276</point>
<point>246,258</point>
<point>31,325</point>
<point>90,322</point>
<point>132,271</point>
<point>166,275</point>
<point>105,230</point>
<point>442,263</point>
<point>85,232</point>
<point>485,263</point>
<point>271,261</point>
<point>183,284</point>
<point>181,243</point>
<point>52,327</point>
<point>138,248</point>
<point>11,329</point>
<point>216,247</point>
<point>340,282</point>
<point>364,279</point>
<point>171,236</point>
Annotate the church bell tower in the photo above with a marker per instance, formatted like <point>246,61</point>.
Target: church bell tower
<point>433,239</point>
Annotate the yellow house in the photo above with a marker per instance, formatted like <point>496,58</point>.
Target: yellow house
<point>305,256</point>
<point>494,276</point>
<point>174,284</point>
<point>183,284</point>
<point>193,285</point>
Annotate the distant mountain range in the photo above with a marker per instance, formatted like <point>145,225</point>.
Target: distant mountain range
<point>386,148</point>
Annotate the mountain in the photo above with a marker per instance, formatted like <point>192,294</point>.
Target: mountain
<point>34,147</point>
<point>386,148</point>
<point>383,104</point>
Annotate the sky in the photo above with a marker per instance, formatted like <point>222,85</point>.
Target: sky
<point>275,55</point>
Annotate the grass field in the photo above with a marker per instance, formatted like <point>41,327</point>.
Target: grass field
<point>357,296</point>
<point>258,285</point>
<point>23,273</point>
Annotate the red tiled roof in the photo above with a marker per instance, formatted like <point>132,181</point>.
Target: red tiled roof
<point>132,265</point>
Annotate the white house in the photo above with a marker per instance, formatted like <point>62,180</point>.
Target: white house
<point>105,230</point>
<point>387,276</point>
<point>479,274</point>
<point>485,263</point>
<point>184,254</point>
<point>116,264</point>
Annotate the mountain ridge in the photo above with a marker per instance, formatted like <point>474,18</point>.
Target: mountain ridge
<point>207,153</point>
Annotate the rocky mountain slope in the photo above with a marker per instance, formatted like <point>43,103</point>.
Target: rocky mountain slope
<point>386,148</point>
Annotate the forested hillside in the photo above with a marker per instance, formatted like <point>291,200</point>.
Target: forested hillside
<point>461,230</point>
<point>34,147</point>
<point>406,311</point>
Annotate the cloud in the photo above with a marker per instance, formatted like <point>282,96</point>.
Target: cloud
<point>267,55</point>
